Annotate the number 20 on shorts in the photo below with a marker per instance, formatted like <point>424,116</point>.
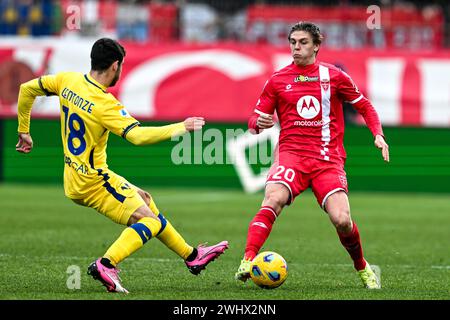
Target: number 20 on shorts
<point>281,172</point>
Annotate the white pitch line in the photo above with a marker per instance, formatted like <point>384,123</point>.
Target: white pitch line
<point>164,260</point>
<point>22,256</point>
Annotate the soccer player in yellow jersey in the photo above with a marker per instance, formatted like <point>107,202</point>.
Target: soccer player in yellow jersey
<point>88,114</point>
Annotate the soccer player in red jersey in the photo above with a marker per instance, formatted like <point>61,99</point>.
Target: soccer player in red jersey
<point>307,96</point>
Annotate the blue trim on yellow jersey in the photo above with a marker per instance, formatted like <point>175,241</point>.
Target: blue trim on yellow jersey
<point>121,198</point>
<point>47,93</point>
<point>127,129</point>
<point>87,79</point>
<point>142,230</point>
<point>163,222</point>
<point>91,158</point>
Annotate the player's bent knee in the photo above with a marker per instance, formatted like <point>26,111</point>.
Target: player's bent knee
<point>145,196</point>
<point>343,222</point>
<point>276,199</point>
<point>337,203</point>
<point>140,213</point>
<point>338,209</point>
<point>341,219</point>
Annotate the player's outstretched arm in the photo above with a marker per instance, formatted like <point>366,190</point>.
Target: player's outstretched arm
<point>380,143</point>
<point>27,93</point>
<point>150,135</point>
<point>349,91</point>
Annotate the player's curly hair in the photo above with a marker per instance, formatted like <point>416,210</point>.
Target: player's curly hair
<point>313,30</point>
<point>105,52</point>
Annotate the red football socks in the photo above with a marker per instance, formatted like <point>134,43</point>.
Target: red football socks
<point>352,243</point>
<point>259,230</point>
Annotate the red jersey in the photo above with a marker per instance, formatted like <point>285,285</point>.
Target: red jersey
<point>308,103</point>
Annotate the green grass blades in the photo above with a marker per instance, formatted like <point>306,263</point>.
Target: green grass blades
<point>45,239</point>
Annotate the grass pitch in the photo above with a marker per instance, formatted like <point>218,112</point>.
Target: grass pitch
<point>45,237</point>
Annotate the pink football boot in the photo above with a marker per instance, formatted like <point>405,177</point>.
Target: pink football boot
<point>205,255</point>
<point>109,277</point>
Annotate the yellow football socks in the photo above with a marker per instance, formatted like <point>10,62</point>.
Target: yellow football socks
<point>169,236</point>
<point>173,240</point>
<point>132,239</point>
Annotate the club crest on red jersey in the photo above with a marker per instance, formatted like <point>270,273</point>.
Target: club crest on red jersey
<point>325,83</point>
<point>343,180</point>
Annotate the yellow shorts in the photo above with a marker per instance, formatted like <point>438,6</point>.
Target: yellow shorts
<point>113,197</point>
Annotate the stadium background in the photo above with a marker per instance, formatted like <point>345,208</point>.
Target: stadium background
<point>211,59</point>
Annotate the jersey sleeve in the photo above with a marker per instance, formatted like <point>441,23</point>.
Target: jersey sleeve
<point>350,93</point>
<point>267,101</point>
<point>45,85</point>
<point>149,135</point>
<point>50,84</point>
<point>116,119</point>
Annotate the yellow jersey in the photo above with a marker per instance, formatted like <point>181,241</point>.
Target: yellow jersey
<point>88,115</point>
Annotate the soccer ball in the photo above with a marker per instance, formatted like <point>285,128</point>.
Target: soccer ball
<point>268,270</point>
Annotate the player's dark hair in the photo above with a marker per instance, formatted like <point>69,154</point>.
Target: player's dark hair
<point>105,52</point>
<point>313,30</point>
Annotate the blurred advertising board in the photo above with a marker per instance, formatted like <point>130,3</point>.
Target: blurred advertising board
<point>352,26</point>
<point>222,82</point>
